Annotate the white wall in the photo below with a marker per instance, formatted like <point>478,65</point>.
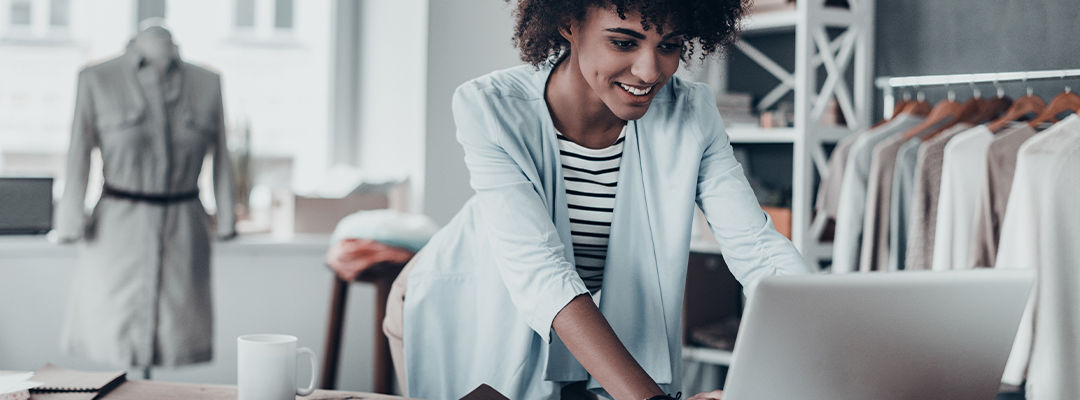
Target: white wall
<point>393,59</point>
<point>466,39</point>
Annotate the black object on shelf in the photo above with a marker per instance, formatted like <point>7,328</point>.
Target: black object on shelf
<point>26,205</point>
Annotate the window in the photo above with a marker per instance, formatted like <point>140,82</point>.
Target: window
<point>283,14</point>
<point>264,20</point>
<point>59,13</point>
<point>20,12</point>
<point>245,13</point>
<point>35,19</point>
<point>149,9</point>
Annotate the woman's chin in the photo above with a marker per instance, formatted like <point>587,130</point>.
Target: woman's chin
<point>631,113</point>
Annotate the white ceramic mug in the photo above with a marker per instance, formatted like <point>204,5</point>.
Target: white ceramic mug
<point>266,367</point>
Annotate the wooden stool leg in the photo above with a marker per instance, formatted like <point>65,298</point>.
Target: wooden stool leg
<point>332,348</point>
<point>384,363</point>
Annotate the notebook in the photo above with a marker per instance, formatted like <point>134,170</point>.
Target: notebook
<point>61,383</point>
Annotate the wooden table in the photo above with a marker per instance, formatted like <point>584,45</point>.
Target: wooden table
<point>146,390</point>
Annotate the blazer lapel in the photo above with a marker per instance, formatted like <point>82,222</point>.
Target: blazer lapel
<point>631,287</point>
<point>561,366</point>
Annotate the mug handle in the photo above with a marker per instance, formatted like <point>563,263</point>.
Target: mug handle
<point>314,371</point>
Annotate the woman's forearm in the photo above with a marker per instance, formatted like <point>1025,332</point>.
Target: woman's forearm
<point>592,341</point>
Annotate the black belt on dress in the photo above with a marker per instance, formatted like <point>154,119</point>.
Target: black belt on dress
<point>153,198</point>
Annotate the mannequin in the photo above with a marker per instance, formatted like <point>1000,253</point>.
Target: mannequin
<point>141,293</point>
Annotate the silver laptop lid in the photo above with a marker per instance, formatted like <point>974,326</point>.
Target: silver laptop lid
<point>882,336</point>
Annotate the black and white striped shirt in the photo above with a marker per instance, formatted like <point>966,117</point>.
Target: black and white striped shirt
<point>591,176</point>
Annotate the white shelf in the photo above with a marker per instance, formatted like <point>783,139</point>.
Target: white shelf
<point>784,20</point>
<point>757,134</point>
<point>707,355</point>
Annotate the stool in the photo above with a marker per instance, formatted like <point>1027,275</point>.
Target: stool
<point>381,275</point>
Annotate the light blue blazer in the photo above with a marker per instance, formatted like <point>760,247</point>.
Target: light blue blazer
<point>483,293</point>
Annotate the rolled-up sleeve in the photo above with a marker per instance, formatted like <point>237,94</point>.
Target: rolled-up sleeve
<point>528,253</point>
<point>751,246</point>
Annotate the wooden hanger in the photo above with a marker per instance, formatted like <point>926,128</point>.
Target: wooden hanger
<point>993,109</point>
<point>1027,105</point>
<point>988,108</point>
<point>897,109</point>
<point>1066,101</point>
<point>998,106</point>
<point>900,105</point>
<point>919,107</point>
<point>969,110</point>
<point>945,111</point>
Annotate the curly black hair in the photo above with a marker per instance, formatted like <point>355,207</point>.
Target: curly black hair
<point>711,24</point>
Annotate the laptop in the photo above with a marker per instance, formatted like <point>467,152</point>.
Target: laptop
<point>26,205</point>
<point>881,336</point>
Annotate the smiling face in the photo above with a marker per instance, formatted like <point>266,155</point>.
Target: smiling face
<point>623,64</point>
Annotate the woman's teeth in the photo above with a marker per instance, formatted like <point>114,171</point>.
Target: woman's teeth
<point>635,91</point>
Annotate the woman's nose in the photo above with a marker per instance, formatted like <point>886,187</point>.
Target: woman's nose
<point>646,67</point>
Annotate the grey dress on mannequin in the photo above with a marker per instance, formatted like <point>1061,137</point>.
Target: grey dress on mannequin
<point>141,293</point>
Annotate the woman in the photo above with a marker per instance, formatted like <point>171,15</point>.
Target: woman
<point>566,270</point>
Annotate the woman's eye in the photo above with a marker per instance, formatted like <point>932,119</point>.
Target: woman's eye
<point>669,47</point>
<point>623,44</point>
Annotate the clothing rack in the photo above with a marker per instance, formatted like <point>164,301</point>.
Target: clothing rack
<point>887,84</point>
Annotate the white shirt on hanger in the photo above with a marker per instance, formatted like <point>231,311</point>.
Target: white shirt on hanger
<point>1053,370</point>
<point>963,171</point>
<point>1040,231</point>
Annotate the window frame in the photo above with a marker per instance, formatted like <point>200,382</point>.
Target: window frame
<point>40,28</point>
<point>264,29</point>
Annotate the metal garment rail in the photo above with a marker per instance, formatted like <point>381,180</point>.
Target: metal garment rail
<point>887,83</point>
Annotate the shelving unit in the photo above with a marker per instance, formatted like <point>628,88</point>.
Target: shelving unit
<point>785,20</point>
<point>808,23</point>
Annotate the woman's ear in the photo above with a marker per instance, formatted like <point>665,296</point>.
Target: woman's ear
<point>566,31</point>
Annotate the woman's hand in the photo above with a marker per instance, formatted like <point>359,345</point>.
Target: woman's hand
<point>713,395</point>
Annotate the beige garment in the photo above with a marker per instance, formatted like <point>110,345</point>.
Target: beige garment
<point>920,241</point>
<point>394,323</point>
<point>393,327</point>
<point>994,196</point>
<point>828,197</point>
<point>141,293</point>
<point>878,199</point>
